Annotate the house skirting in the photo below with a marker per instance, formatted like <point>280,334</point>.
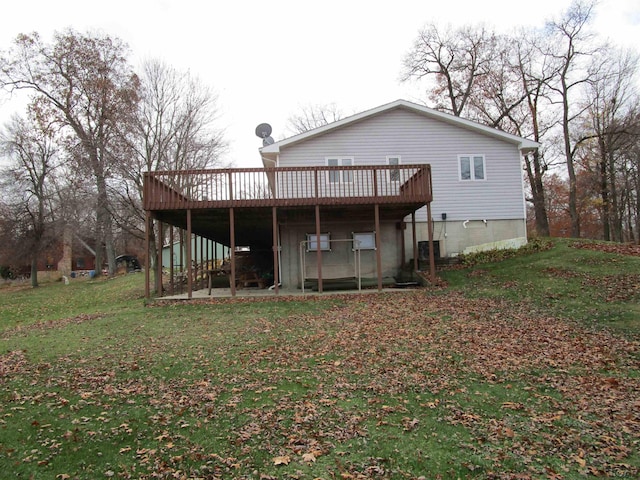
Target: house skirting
<point>464,236</point>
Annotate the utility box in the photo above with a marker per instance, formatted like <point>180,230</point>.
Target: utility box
<point>423,253</point>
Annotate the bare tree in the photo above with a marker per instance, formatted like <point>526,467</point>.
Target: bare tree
<point>496,80</point>
<point>175,129</point>
<point>86,83</point>
<point>572,42</point>
<point>454,60</point>
<point>611,100</point>
<point>535,117</point>
<point>313,116</point>
<point>32,149</point>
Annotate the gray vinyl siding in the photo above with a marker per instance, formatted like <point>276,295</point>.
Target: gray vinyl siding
<point>419,139</point>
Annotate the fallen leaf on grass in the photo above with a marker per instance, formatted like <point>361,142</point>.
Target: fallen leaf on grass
<point>308,457</point>
<point>282,460</point>
<point>580,461</point>
<point>410,424</point>
<point>512,405</point>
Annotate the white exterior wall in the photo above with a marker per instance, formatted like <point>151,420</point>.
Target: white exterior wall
<point>418,139</point>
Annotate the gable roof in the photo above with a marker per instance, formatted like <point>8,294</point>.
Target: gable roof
<point>269,152</point>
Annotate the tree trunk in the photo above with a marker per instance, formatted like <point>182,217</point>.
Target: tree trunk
<point>616,210</point>
<point>573,189</point>
<point>110,247</point>
<point>534,173</point>
<point>34,270</point>
<point>604,190</point>
<point>105,228</point>
<point>638,202</point>
<point>153,247</point>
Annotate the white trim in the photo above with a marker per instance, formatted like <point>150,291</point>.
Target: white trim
<point>472,174</point>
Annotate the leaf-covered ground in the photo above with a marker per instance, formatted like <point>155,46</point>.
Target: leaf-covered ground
<point>395,385</point>
<point>609,247</point>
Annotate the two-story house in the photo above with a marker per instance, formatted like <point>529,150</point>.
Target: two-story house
<point>352,199</point>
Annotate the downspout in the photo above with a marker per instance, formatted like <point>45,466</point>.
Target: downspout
<point>272,182</point>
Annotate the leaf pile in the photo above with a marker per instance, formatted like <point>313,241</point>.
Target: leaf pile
<point>609,247</point>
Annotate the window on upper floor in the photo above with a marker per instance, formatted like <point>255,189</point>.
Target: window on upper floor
<point>340,176</point>
<point>471,167</point>
<point>394,173</point>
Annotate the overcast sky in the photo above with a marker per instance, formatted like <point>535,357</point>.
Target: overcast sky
<point>267,59</point>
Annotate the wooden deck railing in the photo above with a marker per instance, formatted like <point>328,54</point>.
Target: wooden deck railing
<point>255,187</point>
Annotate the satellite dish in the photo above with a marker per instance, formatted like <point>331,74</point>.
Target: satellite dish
<point>267,141</point>
<point>263,130</point>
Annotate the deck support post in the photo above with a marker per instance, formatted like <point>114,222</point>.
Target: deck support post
<point>194,260</point>
<point>189,263</point>
<point>200,264</point>
<point>318,249</point>
<point>415,243</point>
<point>147,260</point>
<point>403,253</point>
<point>171,272</point>
<point>276,250</point>
<point>378,244</point>
<point>232,251</point>
<point>159,290</point>
<point>432,261</point>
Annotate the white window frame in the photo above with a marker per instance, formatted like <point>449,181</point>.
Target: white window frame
<point>367,240</point>
<point>343,176</point>
<point>325,242</point>
<point>392,172</point>
<point>472,171</point>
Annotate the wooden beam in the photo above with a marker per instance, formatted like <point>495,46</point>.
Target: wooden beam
<point>378,245</point>
<point>189,266</point>
<point>318,249</point>
<point>147,260</point>
<point>159,290</point>
<point>403,252</point>
<point>232,252</point>
<point>415,243</point>
<point>276,251</point>
<point>202,264</point>
<point>432,261</point>
<point>171,272</point>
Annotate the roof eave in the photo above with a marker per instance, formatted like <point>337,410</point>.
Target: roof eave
<point>524,145</point>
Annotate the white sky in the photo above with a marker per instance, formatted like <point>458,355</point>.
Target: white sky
<point>267,59</point>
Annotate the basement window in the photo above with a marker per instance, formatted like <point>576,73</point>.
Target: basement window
<point>312,242</point>
<point>364,241</point>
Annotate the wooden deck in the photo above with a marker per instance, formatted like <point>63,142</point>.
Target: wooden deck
<point>246,205</point>
<point>287,187</point>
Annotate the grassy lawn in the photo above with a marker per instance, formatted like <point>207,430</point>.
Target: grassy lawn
<point>524,368</point>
